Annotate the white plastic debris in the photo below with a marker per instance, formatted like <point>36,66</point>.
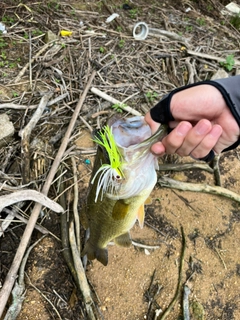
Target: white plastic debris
<point>147,252</point>
<point>233,7</point>
<point>3,28</point>
<point>188,10</point>
<point>140,31</point>
<point>112,17</point>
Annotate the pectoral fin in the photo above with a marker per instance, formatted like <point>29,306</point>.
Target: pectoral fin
<point>124,240</point>
<point>120,210</point>
<point>148,201</point>
<point>141,216</point>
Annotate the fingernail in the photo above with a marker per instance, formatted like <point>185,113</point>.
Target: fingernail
<point>202,127</point>
<point>216,131</point>
<point>183,128</point>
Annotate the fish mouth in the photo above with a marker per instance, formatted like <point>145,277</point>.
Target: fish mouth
<point>135,132</point>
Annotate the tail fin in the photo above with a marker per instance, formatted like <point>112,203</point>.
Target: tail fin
<point>92,252</point>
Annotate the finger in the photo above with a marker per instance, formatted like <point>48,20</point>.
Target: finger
<point>158,149</point>
<point>208,143</point>
<point>174,140</point>
<point>153,125</point>
<point>194,137</point>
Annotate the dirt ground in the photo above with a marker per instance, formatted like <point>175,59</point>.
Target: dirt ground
<point>138,283</point>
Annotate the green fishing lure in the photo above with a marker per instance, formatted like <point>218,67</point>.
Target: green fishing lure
<point>112,173</point>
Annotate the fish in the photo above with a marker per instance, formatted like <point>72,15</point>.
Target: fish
<point>123,176</point>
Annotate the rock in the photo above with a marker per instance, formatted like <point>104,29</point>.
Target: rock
<point>237,71</point>
<point>50,36</point>
<point>6,129</point>
<point>198,312</point>
<point>220,74</point>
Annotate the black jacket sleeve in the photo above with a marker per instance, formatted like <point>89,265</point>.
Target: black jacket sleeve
<point>229,88</point>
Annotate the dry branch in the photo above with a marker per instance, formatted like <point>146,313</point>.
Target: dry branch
<point>179,283</point>
<point>81,277</point>
<point>185,166</point>
<point>210,57</point>
<point>115,101</point>
<point>195,187</point>
<point>75,205</point>
<point>24,107</point>
<point>27,194</point>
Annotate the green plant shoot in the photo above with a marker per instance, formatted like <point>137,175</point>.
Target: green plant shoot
<point>229,63</point>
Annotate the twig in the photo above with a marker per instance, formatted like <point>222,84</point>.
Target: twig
<point>16,106</point>
<point>25,135</point>
<point>24,69</point>
<point>144,246</point>
<point>180,272</point>
<point>75,205</point>
<point>30,60</point>
<point>11,276</point>
<point>151,297</point>
<point>65,235</point>
<point>115,101</point>
<point>184,166</point>
<point>82,280</point>
<point>86,124</point>
<point>168,34</point>
<point>6,187</point>
<point>216,170</point>
<point>27,194</point>
<point>210,57</point>
<point>195,187</point>
<point>190,71</point>
<point>9,219</point>
<point>186,292</point>
<point>219,254</point>
<point>99,113</point>
<point>34,106</point>
<point>13,214</point>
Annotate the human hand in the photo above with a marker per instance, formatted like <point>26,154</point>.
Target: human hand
<point>203,122</point>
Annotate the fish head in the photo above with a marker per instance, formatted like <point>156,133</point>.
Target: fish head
<point>131,166</point>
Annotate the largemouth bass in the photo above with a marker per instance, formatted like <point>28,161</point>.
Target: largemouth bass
<point>123,177</point>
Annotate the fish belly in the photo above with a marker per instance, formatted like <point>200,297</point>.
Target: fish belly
<point>110,220</point>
